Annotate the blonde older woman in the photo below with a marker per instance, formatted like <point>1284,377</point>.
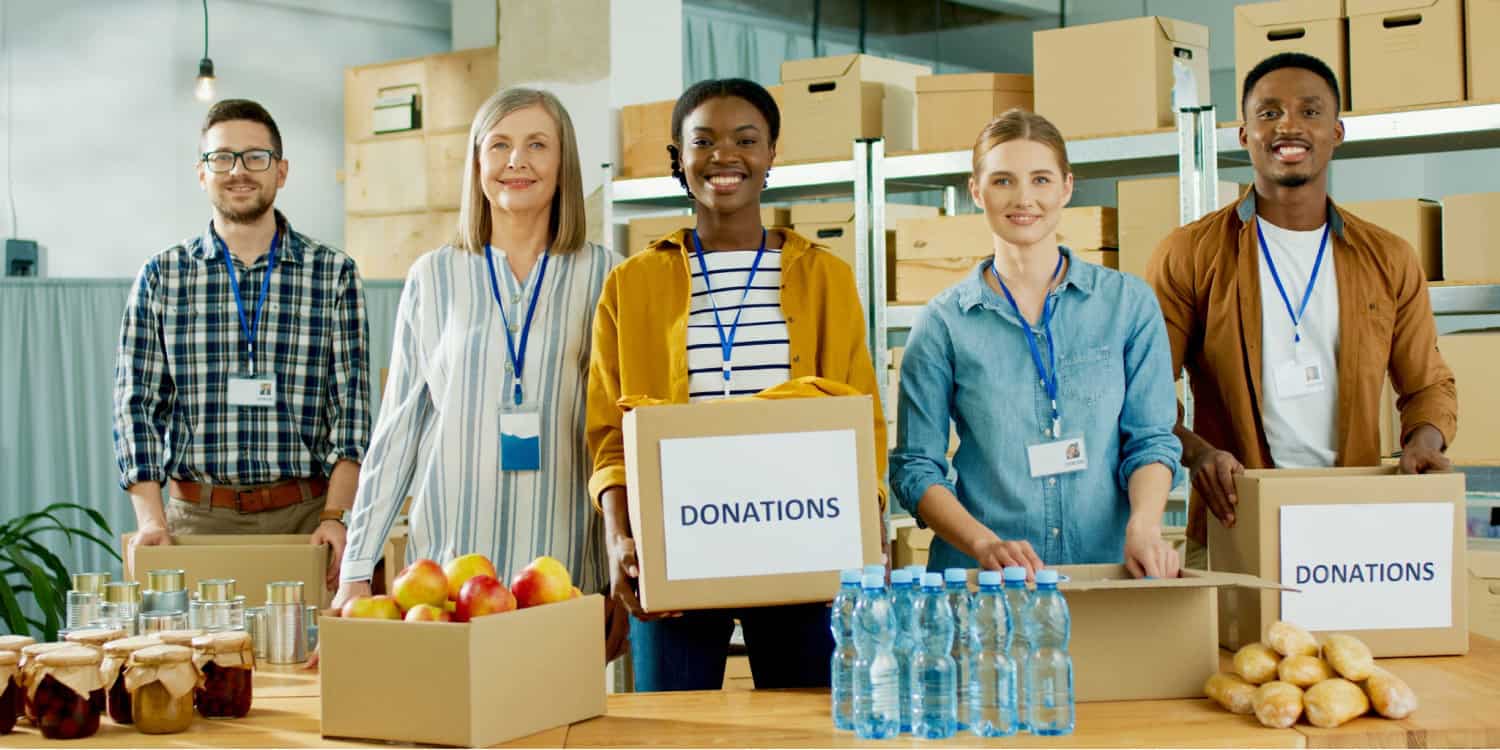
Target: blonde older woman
<point>482,422</point>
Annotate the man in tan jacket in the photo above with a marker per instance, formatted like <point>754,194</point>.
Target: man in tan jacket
<point>1288,313</point>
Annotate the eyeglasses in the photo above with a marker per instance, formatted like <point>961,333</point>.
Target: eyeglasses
<point>255,160</point>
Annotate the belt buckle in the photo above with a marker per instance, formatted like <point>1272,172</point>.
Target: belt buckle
<point>258,498</point>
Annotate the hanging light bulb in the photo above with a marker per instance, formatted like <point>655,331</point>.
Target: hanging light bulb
<point>204,90</point>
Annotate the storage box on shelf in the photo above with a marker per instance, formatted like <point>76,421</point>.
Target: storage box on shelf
<point>1474,359</point>
<point>832,225</point>
<point>450,88</point>
<point>644,231</point>
<point>1148,211</point>
<point>1419,222</point>
<point>953,109</point>
<point>1471,229</point>
<point>1312,27</point>
<point>645,133</point>
<point>1405,52</point>
<point>829,102</point>
<point>1482,28</point>
<point>1484,588</point>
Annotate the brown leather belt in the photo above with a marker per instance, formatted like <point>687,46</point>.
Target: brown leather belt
<point>255,499</point>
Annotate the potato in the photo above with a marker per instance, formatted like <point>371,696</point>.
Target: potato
<point>1304,671</point>
<point>1390,695</point>
<point>1291,640</point>
<point>1231,692</point>
<point>1256,663</point>
<point>1278,704</point>
<point>1349,656</point>
<point>1332,703</point>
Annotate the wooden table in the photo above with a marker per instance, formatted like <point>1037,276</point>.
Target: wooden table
<point>1460,707</point>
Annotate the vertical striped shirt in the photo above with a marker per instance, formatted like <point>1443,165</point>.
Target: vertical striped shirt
<point>762,353</point>
<point>438,436</point>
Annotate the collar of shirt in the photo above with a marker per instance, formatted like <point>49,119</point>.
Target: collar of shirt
<point>974,291</point>
<point>290,250</point>
<point>1246,212</point>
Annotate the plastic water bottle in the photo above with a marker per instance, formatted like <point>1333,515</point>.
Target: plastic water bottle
<point>841,666</point>
<point>876,703</point>
<point>965,647</point>
<point>1018,601</point>
<point>1049,673</point>
<point>934,697</point>
<point>904,602</point>
<point>995,673</point>
<point>876,570</point>
<point>917,571</point>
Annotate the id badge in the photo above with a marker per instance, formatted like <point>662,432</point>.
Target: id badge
<point>252,390</point>
<point>520,441</point>
<point>1057,457</point>
<point>1299,377</point>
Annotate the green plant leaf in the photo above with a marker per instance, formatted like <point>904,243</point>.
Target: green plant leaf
<point>41,588</point>
<point>59,571</point>
<point>10,610</point>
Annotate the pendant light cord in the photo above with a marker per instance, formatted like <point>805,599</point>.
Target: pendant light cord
<point>205,29</point>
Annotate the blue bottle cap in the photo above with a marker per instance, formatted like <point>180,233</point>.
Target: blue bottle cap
<point>932,581</point>
<point>916,572</point>
<point>875,569</point>
<point>874,581</point>
<point>956,575</point>
<point>1014,573</point>
<point>850,576</point>
<point>989,578</point>
<point>1046,577</point>
<point>900,577</point>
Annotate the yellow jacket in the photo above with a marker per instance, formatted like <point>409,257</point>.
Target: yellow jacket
<point>640,340</point>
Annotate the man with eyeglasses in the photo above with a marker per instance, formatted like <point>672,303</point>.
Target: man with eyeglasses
<point>241,387</point>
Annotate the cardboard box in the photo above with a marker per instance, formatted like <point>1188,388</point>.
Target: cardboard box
<point>394,553</point>
<point>1474,359</point>
<point>1374,554</point>
<point>471,684</point>
<point>831,101</point>
<point>252,560</point>
<point>1129,89</point>
<point>1106,258</point>
<point>1148,212</point>
<point>832,225</point>
<point>912,546</point>
<point>1419,222</point>
<point>1484,588</point>
<point>1470,224</point>
<point>642,232</point>
<point>1405,52</point>
<point>1086,228</point>
<point>952,110</point>
<point>450,88</point>
<point>1482,27</point>
<point>386,176</point>
<point>384,247</point>
<point>715,485</point>
<point>1312,27</point>
<point>645,133</point>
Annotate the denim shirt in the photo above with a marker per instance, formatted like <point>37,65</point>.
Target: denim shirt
<point>967,359</point>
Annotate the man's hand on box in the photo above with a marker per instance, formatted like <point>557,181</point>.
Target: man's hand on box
<point>333,534</point>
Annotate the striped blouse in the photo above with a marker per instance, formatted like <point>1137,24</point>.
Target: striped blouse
<point>762,354</point>
<point>437,438</point>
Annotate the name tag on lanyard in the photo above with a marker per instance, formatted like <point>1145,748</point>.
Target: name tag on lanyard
<point>252,390</point>
<point>1302,375</point>
<point>520,428</point>
<point>1299,377</point>
<point>520,441</point>
<point>253,387</point>
<point>1057,457</point>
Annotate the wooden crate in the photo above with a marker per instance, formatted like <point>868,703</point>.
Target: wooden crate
<point>445,170</point>
<point>386,176</point>
<point>450,86</point>
<point>385,246</point>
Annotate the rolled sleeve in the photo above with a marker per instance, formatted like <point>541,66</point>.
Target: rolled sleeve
<point>143,393</point>
<point>1150,411</point>
<point>348,400</point>
<point>924,410</point>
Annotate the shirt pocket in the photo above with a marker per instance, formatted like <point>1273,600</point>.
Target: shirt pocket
<point>1378,316</point>
<point>1090,375</point>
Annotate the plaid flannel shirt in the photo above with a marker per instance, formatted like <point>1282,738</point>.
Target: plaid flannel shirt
<point>181,340</point>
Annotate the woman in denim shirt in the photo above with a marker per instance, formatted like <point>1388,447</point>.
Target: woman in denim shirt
<point>1066,451</point>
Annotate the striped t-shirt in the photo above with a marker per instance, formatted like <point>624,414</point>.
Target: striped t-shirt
<point>762,356</point>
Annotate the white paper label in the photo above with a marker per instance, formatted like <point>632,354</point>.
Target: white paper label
<point>1368,567</point>
<point>747,505</point>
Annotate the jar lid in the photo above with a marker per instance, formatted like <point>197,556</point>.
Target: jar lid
<point>159,654</point>
<point>15,642</point>
<point>96,637</point>
<point>166,580</point>
<point>90,583</point>
<point>126,646</point>
<point>224,642</point>
<point>71,655</point>
<point>216,589</point>
<point>9,658</point>
<point>178,637</point>
<point>37,649</point>
<point>284,592</point>
<point>122,592</point>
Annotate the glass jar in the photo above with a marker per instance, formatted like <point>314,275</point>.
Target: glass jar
<point>95,638</point>
<point>116,657</point>
<point>218,607</point>
<point>10,691</point>
<point>67,696</point>
<point>15,642</point>
<point>27,670</point>
<point>162,682</point>
<point>155,621</point>
<point>123,601</point>
<point>227,661</point>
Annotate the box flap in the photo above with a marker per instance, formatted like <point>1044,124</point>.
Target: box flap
<point>817,68</point>
<point>234,540</point>
<point>1290,12</point>
<point>1117,578</point>
<point>1183,32</point>
<point>1377,7</point>
<point>974,82</point>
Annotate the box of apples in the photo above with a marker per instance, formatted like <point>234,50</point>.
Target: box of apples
<point>455,657</point>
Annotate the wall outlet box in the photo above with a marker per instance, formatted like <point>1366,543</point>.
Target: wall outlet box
<point>20,257</point>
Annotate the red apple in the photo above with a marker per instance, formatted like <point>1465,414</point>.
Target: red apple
<point>480,596</point>
<point>427,613</point>
<point>544,581</point>
<point>422,582</point>
<point>372,607</point>
<point>461,569</point>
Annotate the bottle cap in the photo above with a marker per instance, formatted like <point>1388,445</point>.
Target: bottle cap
<point>1046,577</point>
<point>932,581</point>
<point>956,575</point>
<point>874,580</point>
<point>875,569</point>
<point>850,576</point>
<point>901,577</point>
<point>916,572</point>
<point>1013,573</point>
<point>989,578</point>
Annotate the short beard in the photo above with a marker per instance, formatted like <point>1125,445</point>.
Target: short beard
<point>249,215</point>
<point>1293,180</point>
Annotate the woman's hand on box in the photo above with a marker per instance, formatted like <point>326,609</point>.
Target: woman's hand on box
<point>995,553</point>
<point>1148,555</point>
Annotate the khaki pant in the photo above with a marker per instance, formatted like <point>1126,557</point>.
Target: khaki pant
<point>184,517</point>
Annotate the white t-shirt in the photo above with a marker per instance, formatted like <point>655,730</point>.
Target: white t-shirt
<point>1301,430</point>
<point>762,352</point>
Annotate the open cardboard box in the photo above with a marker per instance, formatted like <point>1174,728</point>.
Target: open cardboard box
<point>471,684</point>
<point>252,560</point>
<point>751,502</point>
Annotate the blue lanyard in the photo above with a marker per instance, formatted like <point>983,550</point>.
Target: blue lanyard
<point>249,326</point>
<point>726,340</point>
<point>517,356</point>
<point>1311,280</point>
<point>1048,376</point>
